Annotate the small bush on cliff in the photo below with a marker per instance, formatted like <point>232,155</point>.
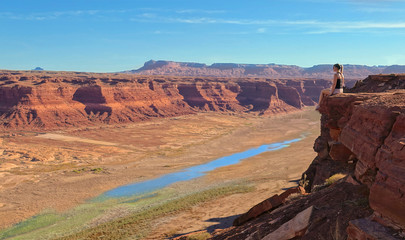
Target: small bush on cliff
<point>293,197</point>
<point>304,182</point>
<point>334,178</point>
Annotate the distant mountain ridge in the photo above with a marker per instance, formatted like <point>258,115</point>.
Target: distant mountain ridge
<point>272,70</point>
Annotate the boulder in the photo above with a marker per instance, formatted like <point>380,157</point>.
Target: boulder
<point>267,205</point>
<point>365,229</point>
<point>259,209</point>
<point>296,227</point>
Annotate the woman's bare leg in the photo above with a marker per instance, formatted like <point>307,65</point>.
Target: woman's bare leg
<point>321,96</point>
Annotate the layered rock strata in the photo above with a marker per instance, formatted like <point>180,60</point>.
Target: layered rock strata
<point>51,100</point>
<point>372,133</point>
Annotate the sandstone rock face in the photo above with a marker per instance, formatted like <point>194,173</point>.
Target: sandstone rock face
<point>372,128</point>
<point>296,227</point>
<point>365,133</point>
<point>267,205</point>
<point>334,134</point>
<point>324,214</point>
<point>365,229</point>
<point>63,105</point>
<point>339,152</point>
<point>387,195</point>
<point>379,83</point>
<point>52,100</point>
<point>362,136</point>
<point>258,209</point>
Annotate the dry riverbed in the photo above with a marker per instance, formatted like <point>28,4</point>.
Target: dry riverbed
<point>60,170</point>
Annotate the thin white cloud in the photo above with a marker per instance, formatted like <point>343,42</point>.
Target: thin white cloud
<point>304,26</point>
<point>380,10</point>
<point>147,15</point>
<point>189,10</point>
<point>143,13</point>
<point>337,25</point>
<point>309,26</point>
<point>372,25</point>
<point>366,6</point>
<point>193,11</point>
<point>40,16</point>
<point>161,32</point>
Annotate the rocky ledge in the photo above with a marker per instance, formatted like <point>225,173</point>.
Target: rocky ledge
<point>355,187</point>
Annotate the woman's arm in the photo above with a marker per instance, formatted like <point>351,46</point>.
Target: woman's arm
<point>332,89</point>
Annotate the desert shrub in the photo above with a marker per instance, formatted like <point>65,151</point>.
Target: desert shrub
<point>318,187</point>
<point>199,236</point>
<point>293,196</point>
<point>334,178</point>
<point>97,170</point>
<point>304,181</point>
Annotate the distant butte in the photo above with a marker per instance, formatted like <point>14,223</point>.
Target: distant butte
<point>38,69</point>
<point>278,71</point>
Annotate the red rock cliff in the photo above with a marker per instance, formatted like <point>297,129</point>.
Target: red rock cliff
<point>50,100</point>
<point>362,137</point>
<point>371,128</point>
<point>366,129</point>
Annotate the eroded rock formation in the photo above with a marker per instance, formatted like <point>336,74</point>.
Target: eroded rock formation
<point>362,138</point>
<point>51,100</point>
<point>372,128</point>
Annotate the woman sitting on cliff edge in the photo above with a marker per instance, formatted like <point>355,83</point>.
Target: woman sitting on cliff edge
<point>337,85</point>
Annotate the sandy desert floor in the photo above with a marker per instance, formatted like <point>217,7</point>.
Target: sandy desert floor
<point>60,170</point>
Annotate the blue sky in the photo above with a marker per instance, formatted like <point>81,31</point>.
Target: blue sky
<point>116,35</point>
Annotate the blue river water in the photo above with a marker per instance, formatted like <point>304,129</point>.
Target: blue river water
<point>194,172</point>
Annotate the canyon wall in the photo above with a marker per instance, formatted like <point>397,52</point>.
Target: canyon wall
<point>51,100</point>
